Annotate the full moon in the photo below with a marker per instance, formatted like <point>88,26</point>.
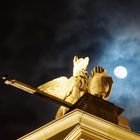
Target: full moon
<point>120,72</point>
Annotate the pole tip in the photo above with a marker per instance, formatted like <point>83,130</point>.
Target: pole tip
<point>5,77</point>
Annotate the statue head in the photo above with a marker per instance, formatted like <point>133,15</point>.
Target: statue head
<point>100,83</point>
<point>79,65</point>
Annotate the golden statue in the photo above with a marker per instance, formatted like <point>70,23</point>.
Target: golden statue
<point>70,90</point>
<point>99,84</point>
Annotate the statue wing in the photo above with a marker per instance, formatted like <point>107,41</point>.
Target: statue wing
<point>59,87</point>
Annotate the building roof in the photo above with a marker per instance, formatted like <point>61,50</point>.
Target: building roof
<point>80,125</point>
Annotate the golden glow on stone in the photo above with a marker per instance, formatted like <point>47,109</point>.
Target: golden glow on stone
<point>71,89</point>
<point>84,125</point>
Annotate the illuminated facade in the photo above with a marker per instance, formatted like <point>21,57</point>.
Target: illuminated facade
<point>80,125</point>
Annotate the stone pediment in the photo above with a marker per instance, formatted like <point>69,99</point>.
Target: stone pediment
<point>80,125</point>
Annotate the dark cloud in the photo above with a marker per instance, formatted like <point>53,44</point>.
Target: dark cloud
<point>39,40</point>
<point>135,124</point>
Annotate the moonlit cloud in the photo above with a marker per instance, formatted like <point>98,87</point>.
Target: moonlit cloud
<point>125,51</point>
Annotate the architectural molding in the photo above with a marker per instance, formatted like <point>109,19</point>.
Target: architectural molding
<point>83,125</point>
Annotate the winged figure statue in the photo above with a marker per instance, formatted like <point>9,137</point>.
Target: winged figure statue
<point>71,89</point>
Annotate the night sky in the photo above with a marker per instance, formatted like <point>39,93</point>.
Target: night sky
<point>39,41</point>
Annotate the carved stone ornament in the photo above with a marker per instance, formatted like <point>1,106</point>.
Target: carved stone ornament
<point>71,89</point>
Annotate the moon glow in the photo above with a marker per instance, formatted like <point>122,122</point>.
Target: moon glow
<point>120,72</point>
